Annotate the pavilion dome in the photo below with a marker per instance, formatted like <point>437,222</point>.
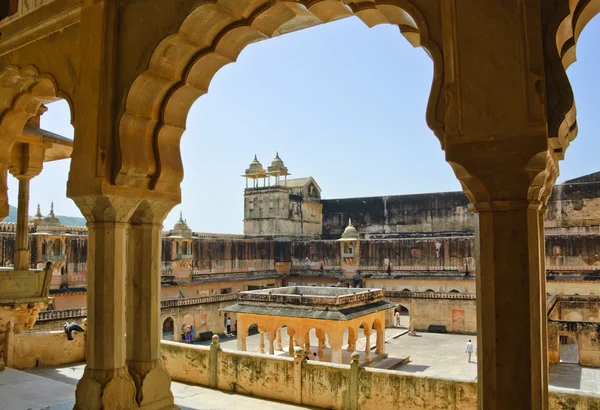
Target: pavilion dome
<point>255,168</point>
<point>180,224</point>
<point>38,217</point>
<point>277,166</point>
<point>51,219</point>
<point>350,232</point>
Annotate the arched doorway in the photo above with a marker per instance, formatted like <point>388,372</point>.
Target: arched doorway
<point>401,316</point>
<point>168,327</point>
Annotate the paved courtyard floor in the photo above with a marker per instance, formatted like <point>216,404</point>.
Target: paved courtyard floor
<point>53,388</point>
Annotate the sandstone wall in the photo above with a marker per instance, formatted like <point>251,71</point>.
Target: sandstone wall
<point>438,212</point>
<point>588,337</point>
<point>43,349</point>
<point>458,315</point>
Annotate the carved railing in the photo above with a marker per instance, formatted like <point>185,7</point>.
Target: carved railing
<point>197,301</point>
<point>48,315</point>
<point>308,299</point>
<point>428,295</point>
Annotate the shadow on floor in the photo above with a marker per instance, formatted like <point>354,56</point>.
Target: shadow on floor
<point>412,368</point>
<point>565,375</point>
<point>64,374</point>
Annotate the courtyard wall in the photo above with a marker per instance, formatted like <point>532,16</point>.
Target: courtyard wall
<point>333,386</point>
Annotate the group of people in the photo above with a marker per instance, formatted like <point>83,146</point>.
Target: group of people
<point>188,334</point>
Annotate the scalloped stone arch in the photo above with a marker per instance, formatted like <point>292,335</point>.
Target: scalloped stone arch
<point>22,92</point>
<point>213,35</point>
<point>564,29</point>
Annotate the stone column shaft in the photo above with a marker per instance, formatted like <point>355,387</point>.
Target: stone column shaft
<point>367,344</point>
<point>153,384</point>
<point>262,342</point>
<point>279,347</point>
<point>21,257</point>
<point>106,381</point>
<point>510,309</point>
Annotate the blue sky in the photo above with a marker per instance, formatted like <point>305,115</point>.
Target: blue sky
<point>342,103</point>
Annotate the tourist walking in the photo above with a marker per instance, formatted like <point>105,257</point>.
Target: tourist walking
<point>193,332</point>
<point>397,319</point>
<point>188,336</point>
<point>228,323</point>
<point>469,349</point>
<point>183,333</point>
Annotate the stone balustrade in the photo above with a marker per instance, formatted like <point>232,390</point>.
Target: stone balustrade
<point>331,297</point>
<point>79,279</point>
<point>327,385</point>
<point>428,295</point>
<point>48,315</point>
<point>197,301</point>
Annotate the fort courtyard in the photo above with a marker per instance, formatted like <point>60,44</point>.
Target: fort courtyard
<point>502,253</point>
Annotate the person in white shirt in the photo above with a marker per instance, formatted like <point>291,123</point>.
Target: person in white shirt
<point>397,319</point>
<point>228,326</point>
<point>469,349</point>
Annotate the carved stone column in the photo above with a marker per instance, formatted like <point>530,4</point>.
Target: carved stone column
<point>106,383</point>
<point>279,347</point>
<point>271,335</point>
<point>153,384</point>
<point>26,162</point>
<point>321,338</point>
<point>262,341</point>
<point>335,341</point>
<point>367,331</point>
<point>290,333</point>
<point>380,344</point>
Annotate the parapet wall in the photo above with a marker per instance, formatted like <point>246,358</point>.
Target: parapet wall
<point>332,386</point>
<point>43,349</point>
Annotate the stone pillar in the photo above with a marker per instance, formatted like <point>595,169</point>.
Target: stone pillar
<point>26,163</point>
<point>241,334</point>
<point>262,341</point>
<point>335,341</point>
<point>291,333</point>
<point>144,327</point>
<point>495,134</point>
<point>279,347</point>
<point>106,382</point>
<point>380,344</point>
<point>21,257</point>
<point>271,338</point>
<point>509,301</point>
<point>367,331</point>
<point>543,321</point>
<point>307,344</point>
<point>321,338</point>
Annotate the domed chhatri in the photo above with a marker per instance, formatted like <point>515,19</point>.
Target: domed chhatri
<point>350,233</point>
<point>51,219</point>
<point>255,171</point>
<point>278,169</point>
<point>38,217</point>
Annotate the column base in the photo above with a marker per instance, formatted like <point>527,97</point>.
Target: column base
<point>105,389</point>
<point>153,385</point>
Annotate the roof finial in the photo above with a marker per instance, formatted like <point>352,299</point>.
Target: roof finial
<point>52,208</point>
<point>349,221</point>
<point>181,215</point>
<point>255,159</point>
<point>39,212</point>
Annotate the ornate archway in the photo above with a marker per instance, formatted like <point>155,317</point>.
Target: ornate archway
<point>213,35</point>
